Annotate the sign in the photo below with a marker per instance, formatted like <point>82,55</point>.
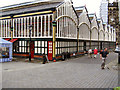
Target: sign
<point>50,50</point>
<point>54,23</point>
<point>11,28</point>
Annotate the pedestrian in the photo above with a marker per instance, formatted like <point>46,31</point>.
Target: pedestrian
<point>95,52</point>
<point>44,58</point>
<point>90,53</point>
<point>68,55</point>
<point>103,55</point>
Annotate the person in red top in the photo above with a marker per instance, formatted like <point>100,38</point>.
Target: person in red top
<point>95,52</point>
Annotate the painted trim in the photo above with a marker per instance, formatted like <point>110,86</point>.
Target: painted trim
<point>29,14</point>
<point>67,17</point>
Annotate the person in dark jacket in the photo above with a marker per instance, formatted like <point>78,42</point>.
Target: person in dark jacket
<point>103,55</point>
<point>44,58</point>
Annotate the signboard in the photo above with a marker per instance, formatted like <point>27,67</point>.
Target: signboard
<point>50,50</point>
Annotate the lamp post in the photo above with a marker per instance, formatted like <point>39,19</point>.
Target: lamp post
<point>54,38</point>
<point>77,39</point>
<point>30,29</point>
<point>11,27</point>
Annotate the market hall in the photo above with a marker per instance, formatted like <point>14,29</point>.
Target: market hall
<point>57,27</point>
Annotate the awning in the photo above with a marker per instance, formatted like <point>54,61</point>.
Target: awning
<point>13,40</point>
<point>7,39</point>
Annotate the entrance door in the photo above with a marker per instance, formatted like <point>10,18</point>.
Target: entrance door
<point>50,49</point>
<point>32,49</point>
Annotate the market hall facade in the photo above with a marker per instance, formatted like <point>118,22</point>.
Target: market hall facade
<point>75,31</point>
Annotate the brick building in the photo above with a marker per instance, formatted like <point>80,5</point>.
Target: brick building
<point>113,18</point>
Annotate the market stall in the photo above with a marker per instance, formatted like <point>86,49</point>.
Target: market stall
<point>5,50</point>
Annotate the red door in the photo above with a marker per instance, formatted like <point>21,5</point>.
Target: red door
<point>50,50</point>
<point>32,49</point>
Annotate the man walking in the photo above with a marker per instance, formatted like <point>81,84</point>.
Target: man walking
<point>103,54</point>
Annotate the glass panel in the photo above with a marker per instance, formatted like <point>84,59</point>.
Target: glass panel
<point>25,49</point>
<point>42,50</point>
<point>35,43</point>
<point>45,50</point>
<point>42,43</point>
<point>36,50</point>
<point>19,43</point>
<point>38,43</point>
<point>45,43</point>
<point>39,50</point>
<point>22,49</point>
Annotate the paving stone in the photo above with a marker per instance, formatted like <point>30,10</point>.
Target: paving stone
<point>79,72</point>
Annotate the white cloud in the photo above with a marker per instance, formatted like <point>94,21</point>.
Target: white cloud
<point>92,5</point>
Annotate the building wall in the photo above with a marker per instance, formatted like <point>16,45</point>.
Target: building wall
<point>101,31</point>
<point>101,35</point>
<point>84,26</point>
<point>66,24</point>
<point>104,10</point>
<point>113,18</point>
<point>84,32</point>
<point>42,27</point>
<point>119,10</point>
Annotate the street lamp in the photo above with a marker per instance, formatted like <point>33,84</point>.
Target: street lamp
<point>30,29</point>
<point>11,27</point>
<point>54,30</point>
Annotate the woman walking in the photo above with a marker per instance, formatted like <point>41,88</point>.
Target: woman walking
<point>95,52</point>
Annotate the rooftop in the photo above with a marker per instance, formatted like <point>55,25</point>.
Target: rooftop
<point>27,7</point>
<point>31,2</point>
